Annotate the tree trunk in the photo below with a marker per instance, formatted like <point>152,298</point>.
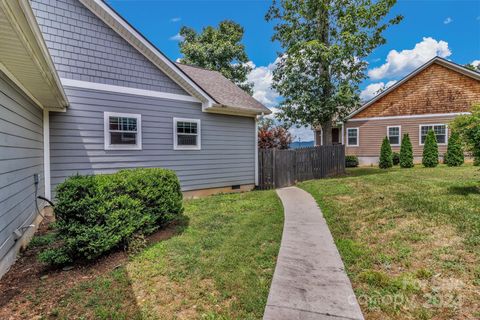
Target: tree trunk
<point>327,133</point>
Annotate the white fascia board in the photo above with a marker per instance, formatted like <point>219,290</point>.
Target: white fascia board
<point>127,90</point>
<point>99,8</point>
<point>416,116</point>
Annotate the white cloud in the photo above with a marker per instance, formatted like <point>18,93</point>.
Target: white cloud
<point>176,37</point>
<point>447,20</point>
<point>262,78</point>
<point>375,88</point>
<point>398,64</point>
<point>175,19</point>
<point>475,63</point>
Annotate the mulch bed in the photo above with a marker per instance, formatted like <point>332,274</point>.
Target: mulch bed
<point>31,289</point>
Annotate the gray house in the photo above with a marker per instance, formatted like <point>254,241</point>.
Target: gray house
<point>81,91</point>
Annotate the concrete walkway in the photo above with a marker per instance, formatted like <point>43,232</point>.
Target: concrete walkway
<point>309,280</point>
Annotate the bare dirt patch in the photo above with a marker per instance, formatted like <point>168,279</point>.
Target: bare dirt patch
<point>32,289</point>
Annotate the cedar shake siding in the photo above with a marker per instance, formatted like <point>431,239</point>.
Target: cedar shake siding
<point>226,157</point>
<point>436,89</point>
<point>21,156</point>
<point>434,94</point>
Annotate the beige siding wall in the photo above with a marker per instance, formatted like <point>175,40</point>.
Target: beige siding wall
<point>372,132</point>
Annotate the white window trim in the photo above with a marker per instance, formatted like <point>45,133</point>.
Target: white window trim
<point>399,135</point>
<point>175,137</point>
<point>358,137</point>
<point>431,125</point>
<point>106,131</point>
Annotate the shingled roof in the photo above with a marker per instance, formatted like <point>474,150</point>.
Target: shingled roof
<point>223,91</point>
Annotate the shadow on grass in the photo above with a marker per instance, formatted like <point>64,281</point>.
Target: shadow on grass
<point>464,190</point>
<point>364,171</point>
<point>93,290</point>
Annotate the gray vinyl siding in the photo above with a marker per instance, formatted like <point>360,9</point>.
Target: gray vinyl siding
<point>84,48</point>
<point>77,140</point>
<point>21,156</point>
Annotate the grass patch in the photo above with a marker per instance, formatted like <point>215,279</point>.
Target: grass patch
<point>409,238</point>
<point>219,266</point>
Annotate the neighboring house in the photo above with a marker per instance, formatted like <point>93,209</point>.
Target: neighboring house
<point>428,98</point>
<point>81,91</point>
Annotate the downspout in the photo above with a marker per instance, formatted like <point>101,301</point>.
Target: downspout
<point>46,153</point>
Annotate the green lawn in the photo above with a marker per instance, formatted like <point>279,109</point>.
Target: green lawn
<point>410,239</point>
<point>219,266</point>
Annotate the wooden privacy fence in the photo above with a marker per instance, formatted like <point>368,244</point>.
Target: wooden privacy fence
<point>282,168</point>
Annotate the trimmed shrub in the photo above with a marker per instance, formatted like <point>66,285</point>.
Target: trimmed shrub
<point>454,156</point>
<point>386,155</point>
<point>395,158</point>
<point>406,152</point>
<point>96,214</point>
<point>430,150</point>
<point>351,161</point>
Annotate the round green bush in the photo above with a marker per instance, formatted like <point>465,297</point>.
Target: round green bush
<point>454,156</point>
<point>430,151</point>
<point>406,152</point>
<point>395,158</point>
<point>351,161</point>
<point>386,160</point>
<point>96,214</point>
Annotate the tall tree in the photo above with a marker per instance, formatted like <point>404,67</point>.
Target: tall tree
<point>468,127</point>
<point>218,49</point>
<point>473,67</point>
<point>324,42</point>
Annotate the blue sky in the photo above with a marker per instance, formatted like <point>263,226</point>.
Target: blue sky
<point>450,29</point>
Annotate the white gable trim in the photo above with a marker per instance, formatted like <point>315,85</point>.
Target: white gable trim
<point>438,60</point>
<point>126,90</point>
<point>134,38</point>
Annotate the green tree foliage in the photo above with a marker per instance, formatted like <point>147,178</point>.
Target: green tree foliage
<point>454,156</point>
<point>396,158</point>
<point>325,43</point>
<point>468,127</point>
<point>406,152</point>
<point>218,49</point>
<point>386,160</point>
<point>430,150</point>
<point>472,67</point>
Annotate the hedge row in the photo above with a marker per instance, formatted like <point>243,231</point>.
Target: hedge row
<point>96,214</point>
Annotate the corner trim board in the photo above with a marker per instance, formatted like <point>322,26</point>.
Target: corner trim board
<point>255,145</point>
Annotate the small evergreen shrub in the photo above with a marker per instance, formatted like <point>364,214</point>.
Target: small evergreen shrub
<point>386,155</point>
<point>406,152</point>
<point>395,158</point>
<point>454,156</point>
<point>96,214</point>
<point>351,161</point>
<point>430,150</point>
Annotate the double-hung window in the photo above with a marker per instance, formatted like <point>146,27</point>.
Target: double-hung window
<point>352,137</point>
<point>186,134</point>
<point>440,131</point>
<point>122,131</point>
<point>393,134</point>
